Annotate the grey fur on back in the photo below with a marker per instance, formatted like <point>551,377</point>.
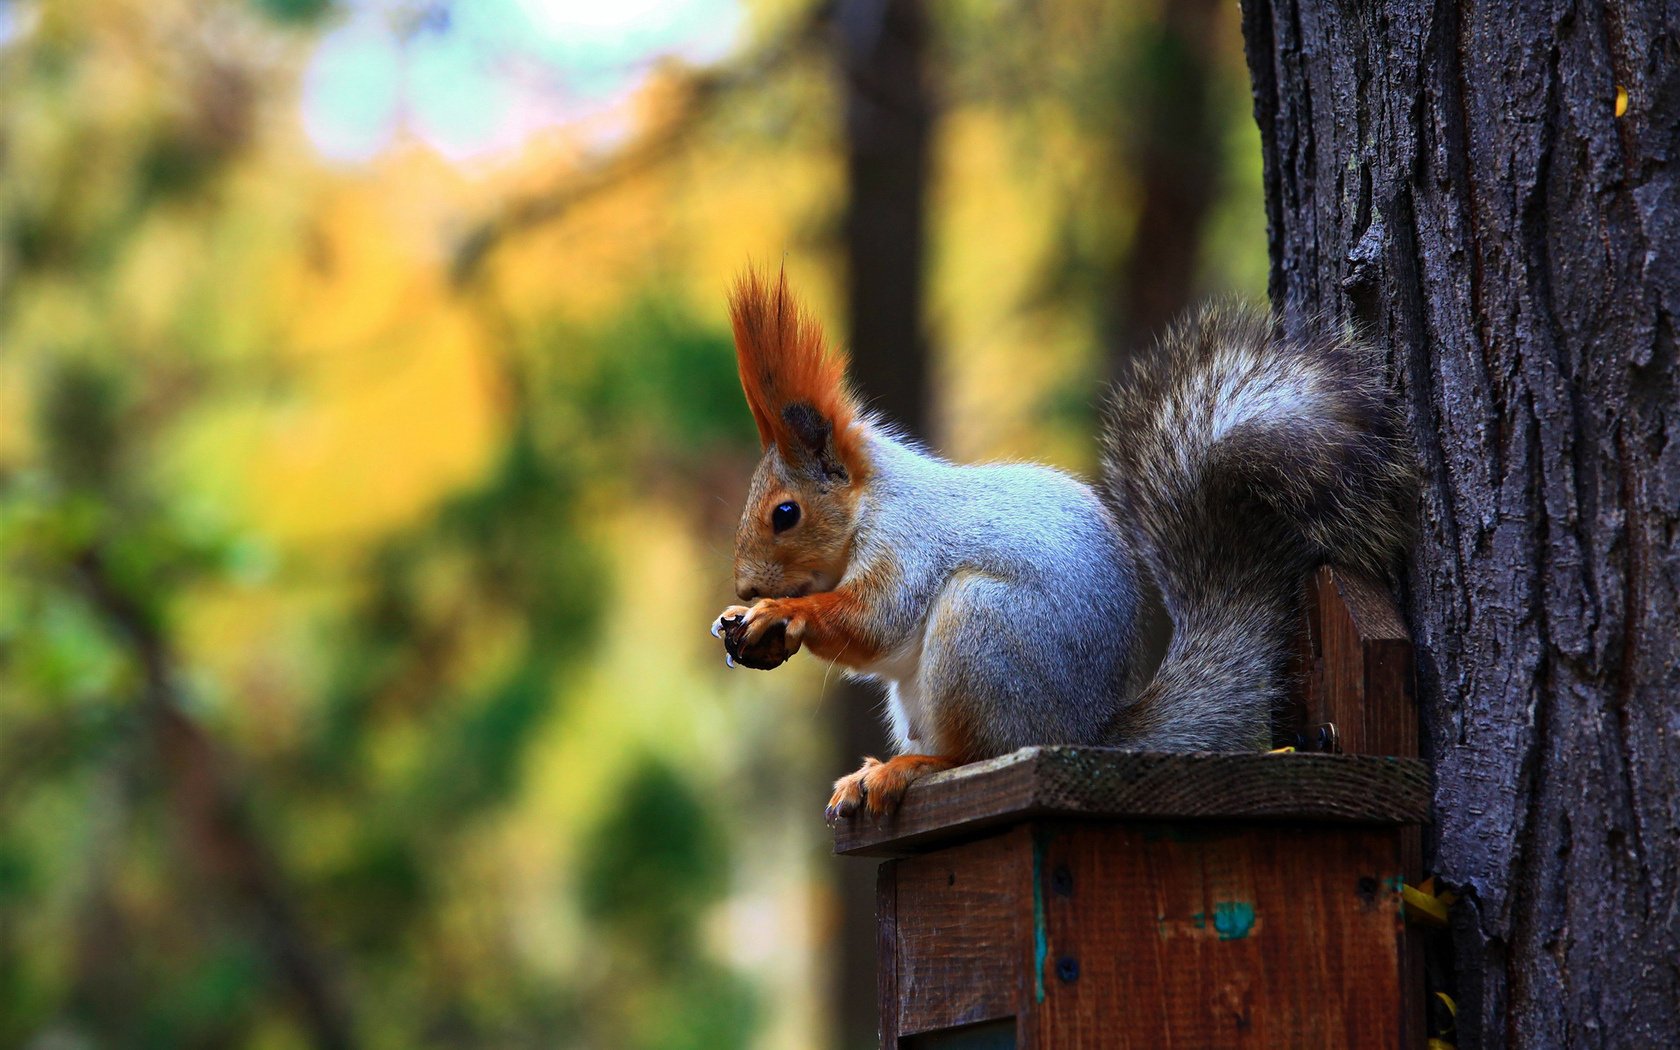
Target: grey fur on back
<point>1017,603</point>
<point>1239,461</point>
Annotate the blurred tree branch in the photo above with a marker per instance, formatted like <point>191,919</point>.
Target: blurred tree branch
<point>1177,183</point>
<point>703,91</point>
<point>221,842</point>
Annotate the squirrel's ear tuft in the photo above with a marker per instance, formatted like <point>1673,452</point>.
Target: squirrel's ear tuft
<point>816,450</point>
<point>794,380</point>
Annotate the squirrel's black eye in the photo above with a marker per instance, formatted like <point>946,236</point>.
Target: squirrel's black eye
<point>784,517</point>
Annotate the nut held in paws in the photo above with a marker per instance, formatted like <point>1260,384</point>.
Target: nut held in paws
<point>769,651</point>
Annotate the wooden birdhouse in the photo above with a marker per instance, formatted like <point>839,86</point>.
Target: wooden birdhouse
<point>1093,897</point>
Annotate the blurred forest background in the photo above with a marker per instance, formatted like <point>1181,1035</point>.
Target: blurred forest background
<point>370,450</point>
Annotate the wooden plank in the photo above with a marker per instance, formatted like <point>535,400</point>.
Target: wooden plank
<point>1220,935</point>
<point>1109,783</point>
<point>1364,682</point>
<point>1364,685</point>
<point>1292,720</point>
<point>987,1035</point>
<point>963,919</point>
<point>1414,1004</point>
<point>886,951</point>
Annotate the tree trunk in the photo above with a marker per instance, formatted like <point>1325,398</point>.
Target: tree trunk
<point>889,117</point>
<point>1453,177</point>
<point>1175,156</point>
<point>889,120</point>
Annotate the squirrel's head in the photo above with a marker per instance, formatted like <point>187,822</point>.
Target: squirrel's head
<point>796,530</point>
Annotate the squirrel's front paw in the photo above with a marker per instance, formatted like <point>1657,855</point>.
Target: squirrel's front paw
<point>761,637</point>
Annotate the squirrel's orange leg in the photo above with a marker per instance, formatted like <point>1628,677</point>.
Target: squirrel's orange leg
<point>879,786</point>
<point>832,624</point>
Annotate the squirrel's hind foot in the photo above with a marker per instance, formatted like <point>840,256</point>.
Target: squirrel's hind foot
<point>878,787</point>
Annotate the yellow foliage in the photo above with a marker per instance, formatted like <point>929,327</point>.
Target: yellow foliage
<point>396,382</point>
<point>311,380</point>
<point>379,431</point>
<point>1002,354</point>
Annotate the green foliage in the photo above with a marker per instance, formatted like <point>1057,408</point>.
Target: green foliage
<point>80,419</point>
<point>122,918</point>
<point>651,384</point>
<point>294,12</point>
<point>662,370</point>
<point>699,1007</point>
<point>655,865</point>
<point>238,742</point>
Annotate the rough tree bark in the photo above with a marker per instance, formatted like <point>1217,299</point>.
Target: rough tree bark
<point>883,48</point>
<point>1452,175</point>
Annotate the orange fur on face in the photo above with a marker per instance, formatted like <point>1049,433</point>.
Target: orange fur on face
<point>784,359</point>
<point>813,555</point>
<point>817,549</point>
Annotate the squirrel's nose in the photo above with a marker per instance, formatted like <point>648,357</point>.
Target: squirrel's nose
<point>748,592</point>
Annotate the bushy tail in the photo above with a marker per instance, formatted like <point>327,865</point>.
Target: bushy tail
<point>1245,460</point>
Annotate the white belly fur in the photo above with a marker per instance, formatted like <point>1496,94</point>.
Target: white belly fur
<point>901,671</point>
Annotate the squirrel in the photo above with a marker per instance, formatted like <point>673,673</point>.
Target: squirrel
<point>1010,604</point>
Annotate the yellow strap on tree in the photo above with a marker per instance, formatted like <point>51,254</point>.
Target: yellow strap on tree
<point>1424,905</point>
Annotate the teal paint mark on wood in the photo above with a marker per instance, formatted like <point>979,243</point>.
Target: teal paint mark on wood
<point>1233,919</point>
<point>1041,932</point>
<point>1396,886</point>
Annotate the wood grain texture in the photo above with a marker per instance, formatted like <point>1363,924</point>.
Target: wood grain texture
<point>1362,683</point>
<point>1220,935</point>
<point>1363,666</point>
<point>886,950</point>
<point>1453,178</point>
<point>962,918</point>
<point>1109,783</point>
<point>1353,669</point>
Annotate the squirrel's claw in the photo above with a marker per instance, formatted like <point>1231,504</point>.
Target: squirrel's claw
<point>851,792</point>
<point>766,642</point>
<point>843,807</point>
<point>731,613</point>
<point>878,787</point>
